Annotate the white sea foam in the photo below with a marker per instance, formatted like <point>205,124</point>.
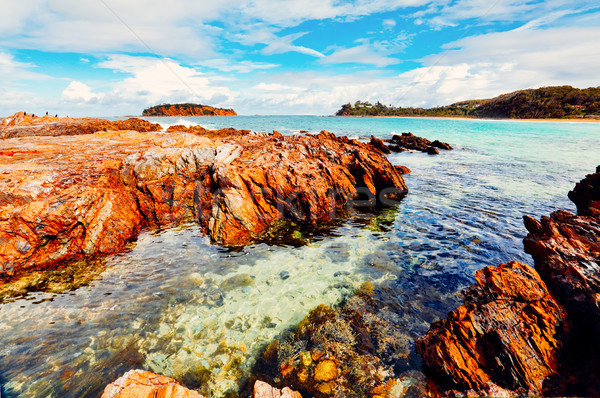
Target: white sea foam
<point>183,122</point>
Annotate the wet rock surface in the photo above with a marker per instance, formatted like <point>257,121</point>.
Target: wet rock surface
<point>143,384</point>
<point>514,336</point>
<point>409,141</point>
<point>507,335</point>
<point>69,197</point>
<point>264,390</point>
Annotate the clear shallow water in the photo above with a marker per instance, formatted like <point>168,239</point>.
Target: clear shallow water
<point>177,305</point>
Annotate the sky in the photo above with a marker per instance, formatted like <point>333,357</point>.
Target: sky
<point>292,57</point>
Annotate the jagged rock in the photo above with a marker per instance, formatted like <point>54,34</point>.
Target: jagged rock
<point>64,198</point>
<point>506,338</point>
<point>143,384</point>
<point>264,390</point>
<point>380,145</point>
<point>21,125</point>
<point>408,141</point>
<point>566,251</point>
<point>402,169</point>
<point>187,110</point>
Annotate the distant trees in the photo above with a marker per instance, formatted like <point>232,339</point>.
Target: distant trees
<point>541,103</point>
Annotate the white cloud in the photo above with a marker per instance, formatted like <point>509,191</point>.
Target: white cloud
<point>227,65</point>
<point>388,23</point>
<point>77,90</point>
<point>367,53</point>
<point>281,45</point>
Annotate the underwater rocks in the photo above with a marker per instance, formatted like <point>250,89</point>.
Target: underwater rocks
<point>408,141</point>
<point>187,110</point>
<point>69,197</point>
<point>264,390</point>
<point>24,125</point>
<point>507,336</point>
<point>143,384</point>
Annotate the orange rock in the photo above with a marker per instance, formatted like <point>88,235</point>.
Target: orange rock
<point>143,384</point>
<point>187,110</point>
<point>64,198</point>
<point>508,336</point>
<point>325,370</point>
<point>19,125</point>
<point>264,390</point>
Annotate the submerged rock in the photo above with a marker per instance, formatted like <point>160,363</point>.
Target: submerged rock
<point>507,336</point>
<point>70,197</point>
<point>264,390</point>
<point>143,384</point>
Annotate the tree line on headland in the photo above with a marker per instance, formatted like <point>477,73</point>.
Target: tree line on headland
<point>543,103</point>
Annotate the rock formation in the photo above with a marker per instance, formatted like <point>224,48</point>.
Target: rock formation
<point>408,141</point>
<point>514,336</point>
<point>187,110</point>
<point>143,384</point>
<point>69,197</point>
<point>264,390</point>
<point>506,336</point>
<point>25,125</point>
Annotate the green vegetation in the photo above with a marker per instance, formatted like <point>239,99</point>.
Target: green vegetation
<point>542,103</point>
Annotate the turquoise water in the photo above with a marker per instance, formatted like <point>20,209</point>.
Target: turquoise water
<point>176,304</point>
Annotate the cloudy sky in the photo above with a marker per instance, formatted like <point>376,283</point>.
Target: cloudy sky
<point>117,57</point>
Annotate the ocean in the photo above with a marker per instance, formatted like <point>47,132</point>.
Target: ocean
<point>176,304</point>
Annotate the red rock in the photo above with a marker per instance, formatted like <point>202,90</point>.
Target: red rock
<point>403,169</point>
<point>264,390</point>
<point>20,125</point>
<point>566,251</point>
<point>143,384</point>
<point>187,110</point>
<point>506,338</point>
<point>379,145</point>
<point>64,198</point>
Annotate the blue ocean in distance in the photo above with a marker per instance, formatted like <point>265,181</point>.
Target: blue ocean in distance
<point>175,303</point>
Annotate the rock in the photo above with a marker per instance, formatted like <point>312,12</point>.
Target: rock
<point>325,370</point>
<point>506,338</point>
<point>70,197</point>
<point>402,169</point>
<point>20,125</point>
<point>408,141</point>
<point>441,145</point>
<point>143,384</point>
<point>187,110</point>
<point>566,251</point>
<point>264,390</point>
<point>378,144</point>
<point>432,151</point>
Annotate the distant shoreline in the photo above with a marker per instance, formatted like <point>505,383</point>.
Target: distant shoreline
<point>574,120</point>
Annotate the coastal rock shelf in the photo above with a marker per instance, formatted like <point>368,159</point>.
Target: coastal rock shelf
<point>25,125</point>
<point>64,198</point>
<point>524,333</point>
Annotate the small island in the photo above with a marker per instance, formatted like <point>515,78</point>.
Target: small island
<point>558,102</point>
<point>187,109</point>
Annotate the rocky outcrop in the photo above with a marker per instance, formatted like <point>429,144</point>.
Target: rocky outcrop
<point>566,251</point>
<point>25,125</point>
<point>408,141</point>
<point>507,336</point>
<point>65,198</point>
<point>514,336</point>
<point>143,384</point>
<point>187,110</point>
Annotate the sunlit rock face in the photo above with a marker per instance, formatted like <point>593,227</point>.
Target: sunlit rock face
<point>143,384</point>
<point>74,196</point>
<point>187,110</point>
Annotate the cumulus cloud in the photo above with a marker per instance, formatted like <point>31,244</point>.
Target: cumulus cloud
<point>77,90</point>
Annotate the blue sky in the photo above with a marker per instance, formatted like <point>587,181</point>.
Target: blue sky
<point>117,57</point>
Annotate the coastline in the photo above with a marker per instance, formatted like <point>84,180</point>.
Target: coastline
<point>577,120</point>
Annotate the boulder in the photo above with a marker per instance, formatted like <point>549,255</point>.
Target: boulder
<point>506,338</point>
<point>264,390</point>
